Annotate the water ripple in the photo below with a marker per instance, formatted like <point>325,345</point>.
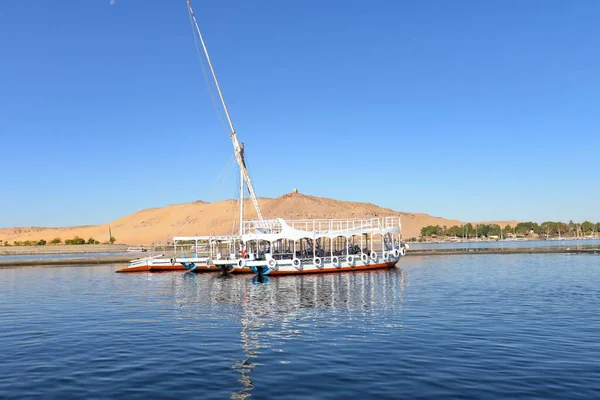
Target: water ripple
<point>477,326</point>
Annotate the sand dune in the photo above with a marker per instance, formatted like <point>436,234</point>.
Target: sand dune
<point>159,225</point>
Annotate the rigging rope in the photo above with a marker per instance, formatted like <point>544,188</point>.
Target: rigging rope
<point>231,162</point>
<point>208,86</point>
<point>236,203</point>
<point>227,166</point>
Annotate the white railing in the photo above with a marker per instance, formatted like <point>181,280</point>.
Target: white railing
<point>325,225</point>
<point>392,222</point>
<point>269,225</point>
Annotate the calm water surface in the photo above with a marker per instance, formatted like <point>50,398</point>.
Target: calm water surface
<point>473,326</point>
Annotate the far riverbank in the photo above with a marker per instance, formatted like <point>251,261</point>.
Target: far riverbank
<point>62,249</point>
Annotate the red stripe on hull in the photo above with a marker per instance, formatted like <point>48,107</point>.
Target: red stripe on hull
<point>179,267</point>
<point>153,268</point>
<point>164,268</point>
<point>215,268</point>
<point>331,270</point>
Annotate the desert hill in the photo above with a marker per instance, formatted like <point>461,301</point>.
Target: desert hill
<point>159,225</point>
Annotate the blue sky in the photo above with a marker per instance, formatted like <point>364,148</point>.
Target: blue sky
<point>475,110</point>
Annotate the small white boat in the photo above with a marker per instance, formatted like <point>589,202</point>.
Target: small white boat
<point>156,263</point>
<point>136,249</point>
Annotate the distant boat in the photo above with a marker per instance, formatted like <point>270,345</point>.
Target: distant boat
<point>136,249</point>
<point>559,237</point>
<point>151,263</point>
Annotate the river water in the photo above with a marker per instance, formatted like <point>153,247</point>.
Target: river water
<point>462,326</point>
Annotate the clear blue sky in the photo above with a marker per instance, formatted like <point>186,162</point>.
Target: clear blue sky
<point>475,110</point>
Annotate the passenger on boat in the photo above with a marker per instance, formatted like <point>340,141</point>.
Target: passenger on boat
<point>387,243</point>
<point>354,249</point>
<point>319,252</point>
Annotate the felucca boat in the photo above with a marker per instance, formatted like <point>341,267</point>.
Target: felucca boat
<point>279,247</point>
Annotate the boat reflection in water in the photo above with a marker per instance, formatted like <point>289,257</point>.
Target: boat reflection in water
<point>284,309</point>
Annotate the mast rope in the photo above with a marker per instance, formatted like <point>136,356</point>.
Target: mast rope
<point>205,74</point>
<point>226,168</point>
<point>236,204</point>
<point>207,192</point>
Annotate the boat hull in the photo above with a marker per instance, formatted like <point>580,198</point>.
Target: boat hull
<point>332,269</point>
<point>310,268</point>
<point>161,264</point>
<point>151,268</point>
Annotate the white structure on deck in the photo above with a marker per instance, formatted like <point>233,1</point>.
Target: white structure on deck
<point>277,247</point>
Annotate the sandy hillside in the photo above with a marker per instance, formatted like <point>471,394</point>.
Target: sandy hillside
<point>159,225</point>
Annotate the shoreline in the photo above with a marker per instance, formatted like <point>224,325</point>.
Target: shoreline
<point>67,261</point>
<point>117,260</point>
<point>62,249</point>
<point>516,250</point>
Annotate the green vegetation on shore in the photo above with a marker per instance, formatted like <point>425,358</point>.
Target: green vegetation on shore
<point>548,229</point>
<point>56,241</point>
